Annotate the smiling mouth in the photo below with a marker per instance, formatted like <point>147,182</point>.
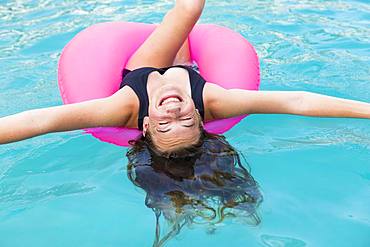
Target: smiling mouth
<point>170,99</point>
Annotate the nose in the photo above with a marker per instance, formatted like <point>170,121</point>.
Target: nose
<point>174,109</point>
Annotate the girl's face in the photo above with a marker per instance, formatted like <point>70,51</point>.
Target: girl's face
<point>173,121</point>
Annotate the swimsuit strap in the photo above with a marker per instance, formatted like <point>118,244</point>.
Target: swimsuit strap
<point>138,79</point>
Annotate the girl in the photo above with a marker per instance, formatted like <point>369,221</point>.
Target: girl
<point>169,102</point>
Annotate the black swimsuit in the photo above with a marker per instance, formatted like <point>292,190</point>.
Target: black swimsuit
<point>138,79</point>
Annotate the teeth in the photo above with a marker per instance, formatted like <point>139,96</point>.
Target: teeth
<point>169,100</point>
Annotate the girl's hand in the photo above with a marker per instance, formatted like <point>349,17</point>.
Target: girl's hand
<point>193,6</point>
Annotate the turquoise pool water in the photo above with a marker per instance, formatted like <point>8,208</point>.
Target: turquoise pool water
<point>68,189</point>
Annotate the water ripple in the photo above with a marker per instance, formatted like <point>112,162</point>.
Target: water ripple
<point>280,241</point>
<point>15,197</point>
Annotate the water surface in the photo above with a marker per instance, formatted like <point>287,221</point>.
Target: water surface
<point>68,189</point>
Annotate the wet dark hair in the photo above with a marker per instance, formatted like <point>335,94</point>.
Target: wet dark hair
<point>200,184</point>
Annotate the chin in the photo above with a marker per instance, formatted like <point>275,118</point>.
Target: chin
<point>169,87</point>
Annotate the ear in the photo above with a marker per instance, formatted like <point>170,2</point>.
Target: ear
<point>200,118</point>
<point>145,125</point>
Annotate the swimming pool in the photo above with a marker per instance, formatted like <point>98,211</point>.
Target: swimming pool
<point>68,189</point>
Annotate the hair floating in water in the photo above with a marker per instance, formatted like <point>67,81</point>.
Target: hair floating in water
<point>204,184</point>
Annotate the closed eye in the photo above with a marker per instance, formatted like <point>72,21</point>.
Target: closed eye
<point>191,125</point>
<point>188,124</point>
<point>163,131</point>
<point>163,123</point>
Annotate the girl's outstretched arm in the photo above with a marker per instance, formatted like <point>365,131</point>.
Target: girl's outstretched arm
<point>238,102</point>
<point>115,110</point>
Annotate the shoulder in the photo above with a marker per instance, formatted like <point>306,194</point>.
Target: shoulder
<point>213,96</point>
<point>124,106</point>
<point>225,103</point>
<point>125,96</point>
<point>212,92</point>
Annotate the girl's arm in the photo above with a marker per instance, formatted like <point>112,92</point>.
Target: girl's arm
<point>238,102</point>
<point>111,111</point>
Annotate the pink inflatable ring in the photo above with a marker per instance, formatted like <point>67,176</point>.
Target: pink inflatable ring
<point>91,66</point>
